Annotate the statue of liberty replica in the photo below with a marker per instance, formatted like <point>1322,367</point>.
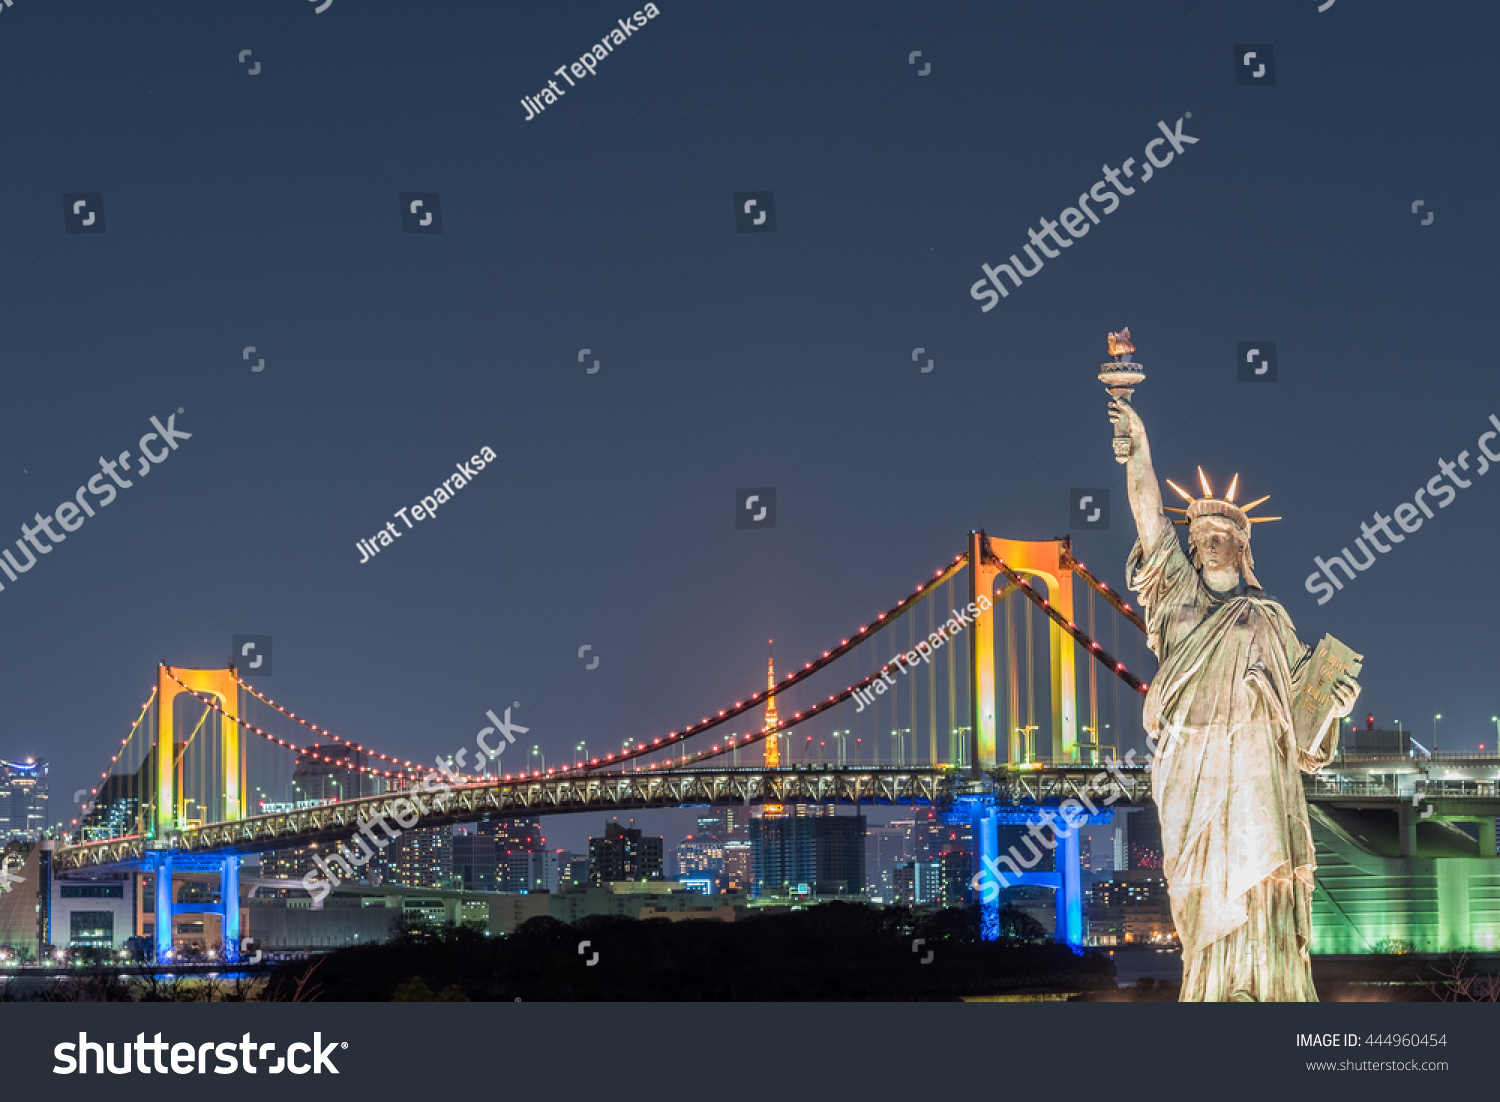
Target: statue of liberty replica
<point>1238,711</point>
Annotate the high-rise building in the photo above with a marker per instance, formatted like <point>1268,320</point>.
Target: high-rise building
<point>1096,851</point>
<point>420,858</point>
<point>931,837</point>
<point>116,810</point>
<point>23,799</point>
<point>819,853</point>
<point>529,871</point>
<point>572,870</point>
<point>916,883</point>
<point>943,882</point>
<point>739,866</point>
<point>885,847</point>
<point>1143,832</point>
<point>1131,906</point>
<point>623,854</point>
<point>720,823</point>
<point>522,834</point>
<point>522,861</point>
<point>474,862</point>
<point>698,856</point>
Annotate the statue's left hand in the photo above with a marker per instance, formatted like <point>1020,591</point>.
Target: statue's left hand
<point>1345,693</point>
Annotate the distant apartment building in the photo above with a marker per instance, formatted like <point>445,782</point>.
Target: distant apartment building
<point>721,823</point>
<point>698,856</point>
<point>885,848</point>
<point>572,870</point>
<point>943,882</point>
<point>117,810</point>
<point>739,865</point>
<point>419,858</point>
<point>624,854</point>
<point>1131,907</point>
<point>23,799</point>
<point>796,853</point>
<point>527,871</point>
<point>931,836</point>
<point>474,862</point>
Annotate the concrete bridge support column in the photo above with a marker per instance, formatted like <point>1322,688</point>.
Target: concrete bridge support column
<point>986,835</point>
<point>229,902</point>
<point>1406,829</point>
<point>1070,893</point>
<point>165,919</point>
<point>1487,837</point>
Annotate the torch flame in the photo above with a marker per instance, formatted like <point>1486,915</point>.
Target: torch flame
<point>1119,343</point>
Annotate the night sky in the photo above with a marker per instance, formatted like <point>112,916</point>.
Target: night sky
<point>265,211</point>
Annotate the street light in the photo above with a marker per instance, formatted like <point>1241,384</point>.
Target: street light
<point>1094,742</point>
<point>1028,744</point>
<point>1434,731</point>
<point>838,741</point>
<point>537,751</point>
<point>582,748</point>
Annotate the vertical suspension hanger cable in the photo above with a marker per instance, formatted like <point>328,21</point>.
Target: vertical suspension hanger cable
<point>932,729</point>
<point>952,663</point>
<point>1012,681</point>
<point>1115,643</point>
<point>1093,682</point>
<point>911,690</point>
<point>964,739</point>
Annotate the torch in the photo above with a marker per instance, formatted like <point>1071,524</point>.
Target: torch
<point>1120,376</point>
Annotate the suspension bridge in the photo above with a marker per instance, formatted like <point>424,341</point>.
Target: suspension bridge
<point>191,788</point>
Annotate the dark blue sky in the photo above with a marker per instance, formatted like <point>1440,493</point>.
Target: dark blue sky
<point>263,210</point>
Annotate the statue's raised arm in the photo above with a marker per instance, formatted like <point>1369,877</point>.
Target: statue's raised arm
<point>1145,496</point>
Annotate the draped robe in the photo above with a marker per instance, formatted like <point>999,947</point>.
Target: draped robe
<point>1226,778</point>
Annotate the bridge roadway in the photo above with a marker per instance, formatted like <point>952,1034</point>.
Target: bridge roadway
<point>1457,789</point>
<point>603,792</point>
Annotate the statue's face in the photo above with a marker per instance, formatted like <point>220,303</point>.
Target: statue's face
<point>1218,548</point>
